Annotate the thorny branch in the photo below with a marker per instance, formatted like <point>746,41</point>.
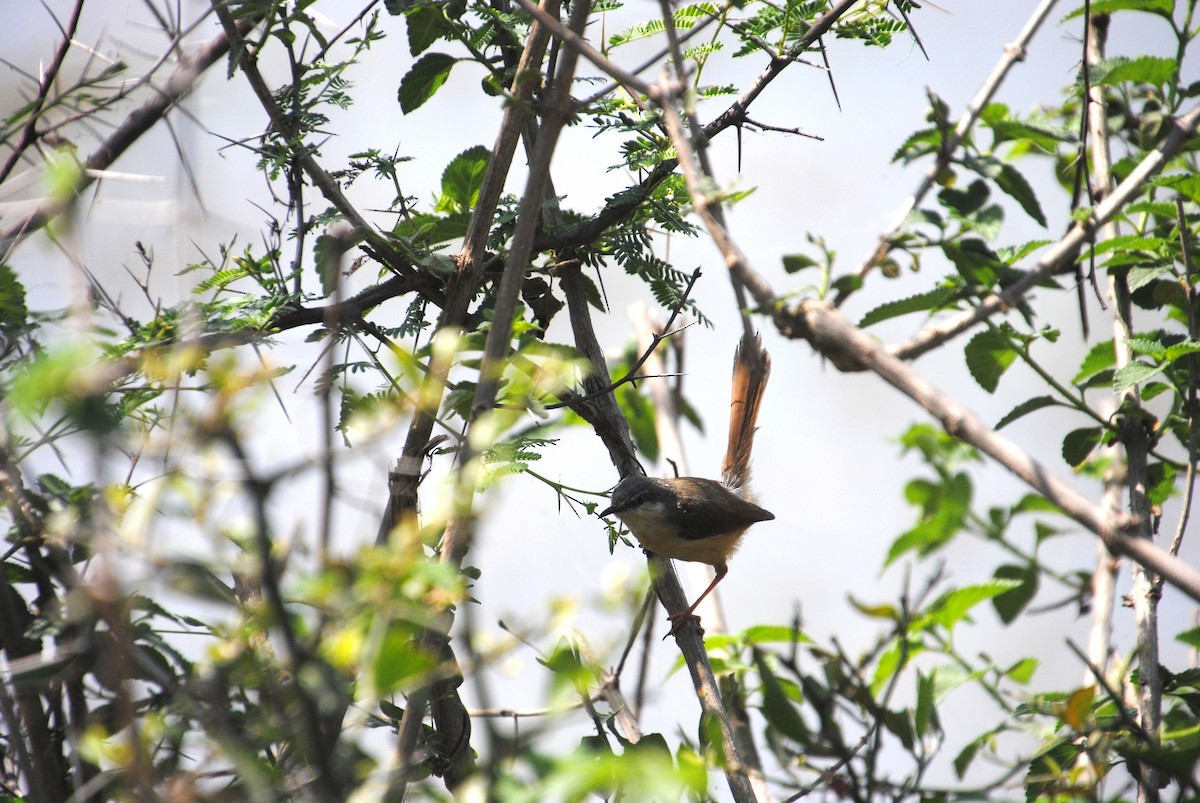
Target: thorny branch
<point>180,83</point>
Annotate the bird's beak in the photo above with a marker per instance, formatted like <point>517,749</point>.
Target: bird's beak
<point>608,511</point>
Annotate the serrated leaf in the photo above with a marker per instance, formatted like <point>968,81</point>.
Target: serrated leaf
<point>1133,374</point>
<point>1137,278</point>
<point>1184,183</point>
<point>1152,70</point>
<point>1101,357</point>
<point>921,302</point>
<point>1013,184</point>
<point>1181,349</point>
<point>426,24</point>
<point>462,180</point>
<point>989,354</point>
<point>1025,408</point>
<point>1159,7</point>
<point>1078,444</point>
<point>423,80</point>
<point>1011,254</point>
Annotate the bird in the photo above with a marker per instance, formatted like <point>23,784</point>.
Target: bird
<point>697,519</point>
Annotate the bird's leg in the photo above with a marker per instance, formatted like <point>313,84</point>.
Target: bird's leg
<point>677,619</point>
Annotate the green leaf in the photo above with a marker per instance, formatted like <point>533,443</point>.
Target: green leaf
<point>1101,357</point>
<point>396,665</point>
<point>930,300</point>
<point>1011,254</point>
<point>1181,349</point>
<point>1161,481</point>
<point>949,677</point>
<point>776,707</point>
<point>1163,8</point>
<point>954,606</point>
<point>1013,184</point>
<point>1022,671</point>
<point>924,710</point>
<point>1012,602</point>
<point>973,259</point>
<point>431,229</point>
<point>761,634</point>
<point>893,660</point>
<point>794,263</point>
<point>12,300</point>
<point>1185,184</point>
<point>1025,408</point>
<point>639,412</point>
<point>1151,70</point>
<point>1078,444</point>
<point>1137,278</point>
<point>462,180</point>
<point>425,78</point>
<point>1190,637</point>
<point>965,202</point>
<point>426,24</point>
<point>1035,503</point>
<point>989,354</point>
<point>1133,374</point>
<point>962,761</point>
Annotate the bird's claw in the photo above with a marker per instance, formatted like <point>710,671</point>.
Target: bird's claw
<point>677,620</point>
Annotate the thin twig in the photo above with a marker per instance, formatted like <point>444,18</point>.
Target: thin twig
<point>632,374</point>
<point>1192,403</point>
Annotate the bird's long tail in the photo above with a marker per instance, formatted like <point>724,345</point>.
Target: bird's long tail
<point>751,368</point>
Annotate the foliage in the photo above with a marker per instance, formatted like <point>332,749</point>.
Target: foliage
<point>169,630</point>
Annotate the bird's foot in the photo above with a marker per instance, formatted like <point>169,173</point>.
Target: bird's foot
<point>677,621</point>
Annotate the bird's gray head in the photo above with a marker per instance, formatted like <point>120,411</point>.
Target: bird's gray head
<point>635,491</point>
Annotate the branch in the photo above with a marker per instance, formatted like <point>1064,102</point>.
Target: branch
<point>628,200</point>
<point>833,336</point>
<point>457,538</point>
<point>290,132</point>
<point>29,134</point>
<point>138,122</point>
<point>1061,253</point>
<point>632,375</point>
